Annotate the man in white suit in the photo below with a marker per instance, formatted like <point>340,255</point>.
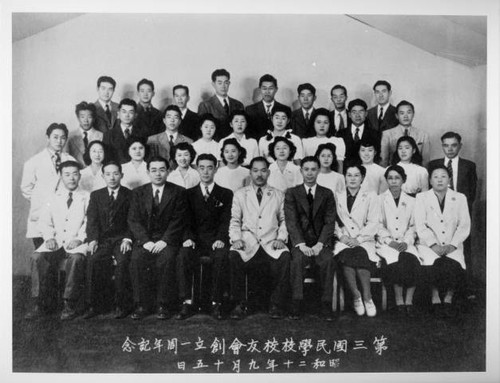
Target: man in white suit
<point>62,224</point>
<point>258,234</point>
<point>41,176</point>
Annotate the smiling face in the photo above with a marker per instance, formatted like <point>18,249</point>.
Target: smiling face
<point>405,151</point>
<point>221,85</point>
<point>231,154</point>
<point>439,180</point>
<point>137,151</point>
<point>207,129</point>
<point>321,125</point>
<point>158,173</point>
<point>268,90</point>
<point>112,176</point>
<point>183,158</point>
<point>146,93</point>
<point>405,115</point>
<point>96,154</point>
<point>367,154</point>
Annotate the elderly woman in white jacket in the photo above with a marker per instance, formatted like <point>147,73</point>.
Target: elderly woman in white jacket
<point>356,228</point>
<point>396,239</point>
<point>443,224</point>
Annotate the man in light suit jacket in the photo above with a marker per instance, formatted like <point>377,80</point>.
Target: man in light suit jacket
<point>161,144</point>
<point>190,123</point>
<point>382,116</point>
<point>299,122</point>
<point>109,238</point>
<point>157,218</point>
<point>220,105</point>
<point>310,219</point>
<point>41,177</point>
<point>390,137</point>
<point>148,119</point>
<point>258,234</point>
<point>260,113</point>
<point>339,115</point>
<point>62,224</point>
<point>106,110</point>
<point>79,140</point>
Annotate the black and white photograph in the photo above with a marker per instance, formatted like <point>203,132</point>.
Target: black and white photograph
<point>265,188</point>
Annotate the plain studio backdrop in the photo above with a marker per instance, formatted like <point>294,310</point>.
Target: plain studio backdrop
<point>56,68</point>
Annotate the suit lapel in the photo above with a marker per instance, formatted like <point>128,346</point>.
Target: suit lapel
<point>318,200</point>
<point>302,198</point>
<point>148,198</point>
<point>165,198</point>
<point>360,198</point>
<point>252,197</point>
<point>434,203</point>
<point>218,106</point>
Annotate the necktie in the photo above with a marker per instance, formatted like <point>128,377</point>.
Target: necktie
<point>127,133</point>
<point>450,170</point>
<point>268,111</point>
<point>70,199</point>
<point>57,161</point>
<point>307,118</point>
<point>406,132</point>
<point>341,122</point>
<point>356,135</point>
<point>207,193</point>
<point>226,107</point>
<point>156,201</point>
<point>310,197</point>
<point>380,117</point>
<point>85,140</point>
<point>171,142</point>
<point>108,115</point>
<point>259,195</point>
<point>111,208</point>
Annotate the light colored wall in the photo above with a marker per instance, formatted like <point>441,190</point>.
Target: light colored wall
<point>56,69</point>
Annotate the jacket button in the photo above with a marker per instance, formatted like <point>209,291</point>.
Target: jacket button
<point>396,228</point>
<point>442,221</point>
<point>443,232</point>
<point>397,217</point>
<point>352,228</point>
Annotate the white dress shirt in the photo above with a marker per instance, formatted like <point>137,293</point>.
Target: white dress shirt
<point>190,179</point>
<point>134,177</point>
<point>232,179</point>
<point>250,145</point>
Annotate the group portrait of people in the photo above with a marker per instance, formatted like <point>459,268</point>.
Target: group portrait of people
<point>145,201</point>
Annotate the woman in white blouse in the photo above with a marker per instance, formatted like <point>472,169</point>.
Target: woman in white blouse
<point>320,120</point>
<point>356,228</point>
<point>184,175</point>
<point>409,158</point>
<point>328,176</point>
<point>239,122</point>
<point>396,240</point>
<point>135,171</point>
<point>374,179</point>
<point>207,144</point>
<point>91,176</point>
<point>284,174</point>
<point>232,176</point>
<point>443,224</point>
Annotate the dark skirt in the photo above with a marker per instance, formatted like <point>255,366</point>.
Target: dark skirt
<point>446,273</point>
<point>406,271</point>
<point>357,258</point>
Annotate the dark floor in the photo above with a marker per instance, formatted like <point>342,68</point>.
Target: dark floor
<point>424,343</point>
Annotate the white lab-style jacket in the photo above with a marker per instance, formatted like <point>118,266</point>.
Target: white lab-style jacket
<point>40,180</point>
<point>397,223</point>
<point>450,227</point>
<point>258,225</point>
<point>361,223</point>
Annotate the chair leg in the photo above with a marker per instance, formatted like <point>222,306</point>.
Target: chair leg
<point>384,297</point>
<point>335,292</point>
<point>341,297</point>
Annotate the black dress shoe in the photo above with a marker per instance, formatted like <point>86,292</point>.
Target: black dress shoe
<point>121,313</point>
<point>187,310</point>
<point>91,312</point>
<point>163,313</point>
<point>68,312</point>
<point>275,312</point>
<point>216,311</point>
<point>139,313</point>
<point>237,313</point>
<point>295,310</point>
<point>326,312</point>
<point>34,313</point>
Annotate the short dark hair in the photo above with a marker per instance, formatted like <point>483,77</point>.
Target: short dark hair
<point>106,79</point>
<point>238,112</point>
<point>175,108</point>
<point>405,103</point>
<point>69,164</point>
<point>278,108</point>
<point>354,164</point>
<point>86,155</point>
<point>439,166</point>
<point>309,159</point>
<point>382,82</point>
<point>234,142</point>
<point>207,117</point>
<point>207,157</point>
<point>181,87</point>
<point>56,126</point>
<point>183,146</point>
<point>145,81</point>
<point>85,106</point>
<point>338,86</point>
<point>129,102</point>
<point>332,148</point>
<point>268,78</point>
<point>356,102</point>
<point>220,72</point>
<point>451,135</point>
<point>156,159</point>
<point>291,145</point>
<point>112,162</point>
<point>142,140</point>
<point>397,169</point>
<point>306,86</point>
<point>416,158</point>
<point>259,159</point>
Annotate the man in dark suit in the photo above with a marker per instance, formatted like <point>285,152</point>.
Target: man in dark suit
<point>310,219</point>
<point>190,124</point>
<point>148,119</point>
<point>109,238</point>
<point>117,138</point>
<point>299,122</point>
<point>157,218</point>
<point>339,116</point>
<point>206,235</point>
<point>463,179</point>
<point>106,110</point>
<point>220,105</point>
<point>382,116</point>
<point>358,130</point>
<point>260,113</point>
